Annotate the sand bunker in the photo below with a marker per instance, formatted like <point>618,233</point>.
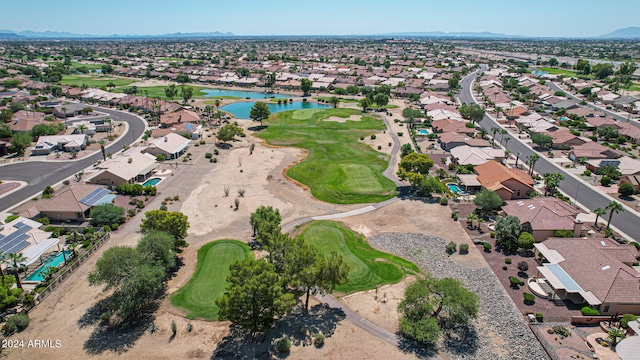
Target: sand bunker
<point>343,120</point>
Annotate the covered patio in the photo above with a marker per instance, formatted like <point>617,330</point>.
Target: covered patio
<point>470,182</point>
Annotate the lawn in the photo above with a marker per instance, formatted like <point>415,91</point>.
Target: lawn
<point>209,281</point>
<point>368,267</point>
<point>338,169</point>
<point>555,71</point>
<point>158,91</point>
<point>94,81</point>
<point>342,100</point>
<point>76,65</point>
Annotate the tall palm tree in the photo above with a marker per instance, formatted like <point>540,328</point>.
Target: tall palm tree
<point>506,141</point>
<point>599,212</point>
<point>503,132</point>
<point>517,158</point>
<point>532,160</point>
<point>82,128</point>
<point>494,131</point>
<point>616,207</point>
<point>16,261</point>
<point>614,335</point>
<point>217,104</point>
<point>483,133</point>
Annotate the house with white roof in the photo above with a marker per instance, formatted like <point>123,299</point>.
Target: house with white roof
<point>129,167</point>
<point>171,146</point>
<point>47,144</point>
<point>470,155</point>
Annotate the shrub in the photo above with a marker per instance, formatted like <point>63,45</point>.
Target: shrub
<point>563,233</point>
<point>560,330</point>
<point>587,172</point>
<point>464,248</point>
<point>515,281</point>
<point>115,226</point>
<point>15,323</point>
<point>626,189</point>
<point>605,181</point>
<point>283,345</point>
<point>361,137</point>
<point>539,317</point>
<point>523,266</point>
<point>504,268</point>
<point>373,137</point>
<point>487,247</point>
<point>10,218</point>
<point>451,247</point>
<point>507,260</point>
<point>208,155</point>
<point>400,133</point>
<point>529,298</point>
<point>454,216</point>
<point>106,228</point>
<point>444,201</point>
<point>303,330</point>
<point>174,327</point>
<point>589,311</point>
<point>160,157</point>
<point>216,152</point>
<point>379,147</point>
<point>492,234</point>
<point>318,340</point>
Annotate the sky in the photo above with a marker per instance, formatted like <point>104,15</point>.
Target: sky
<point>544,18</point>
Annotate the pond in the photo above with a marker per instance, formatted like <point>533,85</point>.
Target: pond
<point>239,94</point>
<point>241,110</point>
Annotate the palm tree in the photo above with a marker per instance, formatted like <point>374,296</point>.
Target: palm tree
<point>471,218</point>
<point>517,158</point>
<point>506,141</point>
<point>3,257</point>
<point>17,260</point>
<point>532,160</point>
<point>494,131</point>
<point>64,112</point>
<point>74,247</point>
<point>507,154</point>
<point>616,207</point>
<point>614,335</point>
<point>599,212</point>
<point>217,104</point>
<point>81,128</point>
<point>483,133</point>
<point>503,132</point>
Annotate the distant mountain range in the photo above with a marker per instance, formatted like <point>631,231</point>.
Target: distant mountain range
<point>8,34</point>
<point>626,33</point>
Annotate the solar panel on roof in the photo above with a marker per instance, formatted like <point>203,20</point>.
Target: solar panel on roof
<point>19,225</point>
<point>94,196</point>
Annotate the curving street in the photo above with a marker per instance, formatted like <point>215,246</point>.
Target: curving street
<point>576,188</point>
<point>39,174</point>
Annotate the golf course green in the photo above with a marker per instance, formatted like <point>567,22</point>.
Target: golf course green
<point>338,168</point>
<point>197,297</point>
<point>94,80</point>
<point>368,267</point>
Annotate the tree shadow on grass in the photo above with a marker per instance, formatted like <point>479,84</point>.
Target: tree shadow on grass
<point>257,127</point>
<point>239,344</point>
<point>118,338</point>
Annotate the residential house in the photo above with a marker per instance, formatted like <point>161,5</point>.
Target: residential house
<point>23,236</point>
<point>631,179</point>
<point>592,150</point>
<point>171,146</point>
<point>25,120</point>
<point>68,143</point>
<point>544,216</point>
<point>451,140</point>
<point>564,139</point>
<point>129,167</point>
<point>68,110</point>
<point>71,203</point>
<point>506,182</point>
<point>595,272</point>
<point>626,165</point>
<point>468,155</point>
<point>630,131</point>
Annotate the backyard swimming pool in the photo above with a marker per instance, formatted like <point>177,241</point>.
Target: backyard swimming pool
<point>152,182</point>
<point>241,110</point>
<point>422,132</point>
<point>53,260</point>
<point>454,188</point>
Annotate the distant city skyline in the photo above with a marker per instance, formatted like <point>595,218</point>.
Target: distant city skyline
<point>543,18</point>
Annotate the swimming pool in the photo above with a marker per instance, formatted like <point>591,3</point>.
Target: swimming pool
<point>563,119</point>
<point>53,260</point>
<point>152,182</point>
<point>422,132</point>
<point>454,188</point>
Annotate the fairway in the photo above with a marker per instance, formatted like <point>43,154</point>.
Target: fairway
<point>368,267</point>
<point>158,91</point>
<point>93,81</point>
<point>197,297</point>
<point>338,168</point>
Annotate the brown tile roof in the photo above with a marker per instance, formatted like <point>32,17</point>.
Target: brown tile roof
<point>492,175</point>
<point>66,200</point>
<point>544,213</point>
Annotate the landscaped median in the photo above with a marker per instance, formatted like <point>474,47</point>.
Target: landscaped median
<point>368,267</point>
<point>338,169</point>
<point>197,297</point>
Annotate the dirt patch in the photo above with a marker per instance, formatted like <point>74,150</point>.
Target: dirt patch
<point>344,120</point>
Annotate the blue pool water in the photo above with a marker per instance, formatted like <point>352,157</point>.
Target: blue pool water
<point>422,132</point>
<point>212,93</point>
<point>152,182</point>
<point>539,72</point>
<point>454,188</point>
<point>564,119</point>
<point>241,110</point>
<point>53,260</point>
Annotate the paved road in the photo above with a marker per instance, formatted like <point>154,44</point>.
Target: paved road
<point>627,221</point>
<point>613,114</point>
<point>39,174</point>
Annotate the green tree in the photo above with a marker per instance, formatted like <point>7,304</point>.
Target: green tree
<point>255,296</point>
<point>542,140</point>
<point>107,69</point>
<point>381,100</point>
<point>610,171</point>
<point>171,91</point>
<point>607,132</point>
<point>614,335</point>
<point>16,106</point>
<point>602,70</point>
<point>229,132</point>
<point>174,223</point>
<point>16,262</point>
<point>259,112</point>
<point>583,66</point>
<point>265,222</point>
<point>599,212</point>
<point>186,92</point>
<point>430,302</point>
<point>626,189</point>
<point>526,241</point>
<point>9,296</point>
<point>431,185</point>
<point>365,104</point>
<point>353,90</point>
<point>183,79</point>
<point>487,200</point>
<point>531,161</point>
<point>305,85</point>
<point>551,182</point>
<point>613,207</point>
<point>156,247</point>
<point>6,115</point>
<point>106,214</point>
<point>405,150</point>
<point>414,167</point>
<point>334,101</point>
<point>20,141</point>
<point>508,230</point>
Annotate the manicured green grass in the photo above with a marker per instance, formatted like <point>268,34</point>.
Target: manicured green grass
<point>158,91</point>
<point>75,64</point>
<point>554,71</point>
<point>338,168</point>
<point>209,282</point>
<point>275,100</point>
<point>326,98</point>
<point>93,81</point>
<point>368,267</point>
